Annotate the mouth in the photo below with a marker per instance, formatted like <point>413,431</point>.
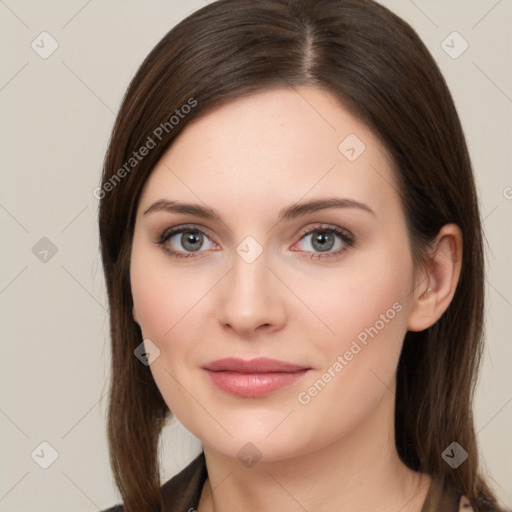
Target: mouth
<point>254,378</point>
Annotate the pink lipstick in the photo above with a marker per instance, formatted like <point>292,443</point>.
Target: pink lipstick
<point>254,378</point>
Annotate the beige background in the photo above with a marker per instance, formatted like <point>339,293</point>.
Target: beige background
<point>56,117</point>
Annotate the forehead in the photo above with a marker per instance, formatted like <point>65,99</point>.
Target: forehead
<point>275,146</point>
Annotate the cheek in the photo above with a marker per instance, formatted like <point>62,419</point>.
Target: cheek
<point>158,295</point>
<point>372,292</point>
<point>365,308</point>
<point>166,306</point>
<point>160,292</point>
<point>358,362</point>
<point>152,299</point>
<point>171,304</point>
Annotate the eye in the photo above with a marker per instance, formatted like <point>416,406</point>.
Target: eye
<point>321,242</point>
<point>184,241</point>
<point>325,241</point>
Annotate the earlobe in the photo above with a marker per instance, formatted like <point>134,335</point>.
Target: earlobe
<point>435,293</point>
<point>134,314</point>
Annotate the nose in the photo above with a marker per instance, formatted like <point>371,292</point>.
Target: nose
<point>251,299</point>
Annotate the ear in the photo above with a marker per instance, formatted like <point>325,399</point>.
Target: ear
<point>134,315</point>
<point>434,293</point>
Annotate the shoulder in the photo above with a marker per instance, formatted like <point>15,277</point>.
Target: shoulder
<point>465,506</point>
<point>443,497</point>
<point>116,508</point>
<point>183,490</point>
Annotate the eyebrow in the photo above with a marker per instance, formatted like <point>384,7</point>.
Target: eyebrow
<point>290,212</point>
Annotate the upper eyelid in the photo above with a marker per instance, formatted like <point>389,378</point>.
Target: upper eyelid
<point>178,229</point>
<point>327,227</point>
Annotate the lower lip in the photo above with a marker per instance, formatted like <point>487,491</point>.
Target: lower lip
<point>253,385</point>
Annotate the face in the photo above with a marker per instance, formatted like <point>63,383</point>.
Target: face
<point>261,265</point>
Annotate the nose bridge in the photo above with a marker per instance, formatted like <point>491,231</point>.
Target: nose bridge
<point>250,297</point>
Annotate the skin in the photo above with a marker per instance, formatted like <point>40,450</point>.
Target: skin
<point>248,159</point>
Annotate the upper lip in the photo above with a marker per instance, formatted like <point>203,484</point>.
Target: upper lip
<point>259,365</point>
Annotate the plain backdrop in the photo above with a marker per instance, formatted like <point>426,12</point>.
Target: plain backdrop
<point>57,113</point>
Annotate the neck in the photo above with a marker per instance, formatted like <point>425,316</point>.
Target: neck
<point>360,471</point>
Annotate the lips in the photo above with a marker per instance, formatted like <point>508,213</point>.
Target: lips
<point>261,365</point>
<point>254,378</point>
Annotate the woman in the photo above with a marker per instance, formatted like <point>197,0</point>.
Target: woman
<point>293,255</point>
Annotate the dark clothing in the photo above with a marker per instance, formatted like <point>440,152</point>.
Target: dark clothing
<point>182,492</point>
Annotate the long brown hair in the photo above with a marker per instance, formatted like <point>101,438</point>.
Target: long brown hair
<point>380,70</point>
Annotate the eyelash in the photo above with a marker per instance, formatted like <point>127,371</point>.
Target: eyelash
<point>347,238</point>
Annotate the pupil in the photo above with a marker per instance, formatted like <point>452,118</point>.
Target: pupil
<point>324,240</point>
<point>190,240</point>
